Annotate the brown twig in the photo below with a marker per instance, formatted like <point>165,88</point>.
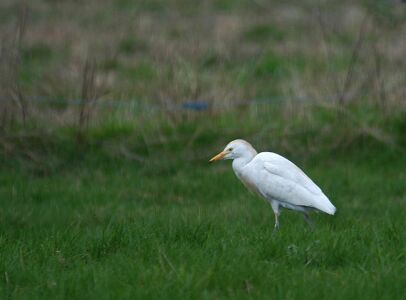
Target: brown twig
<point>380,80</point>
<point>329,54</point>
<point>89,95</point>
<point>353,60</point>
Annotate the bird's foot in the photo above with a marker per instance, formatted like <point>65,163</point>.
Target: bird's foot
<point>275,230</point>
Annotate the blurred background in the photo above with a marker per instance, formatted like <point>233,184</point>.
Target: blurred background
<point>110,110</point>
<point>120,65</point>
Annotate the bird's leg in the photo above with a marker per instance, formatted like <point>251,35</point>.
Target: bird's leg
<point>276,228</point>
<point>275,207</point>
<point>308,220</point>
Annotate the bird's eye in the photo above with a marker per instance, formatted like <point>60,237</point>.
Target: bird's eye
<point>230,149</point>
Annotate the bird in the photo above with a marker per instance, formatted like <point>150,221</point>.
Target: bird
<point>277,179</point>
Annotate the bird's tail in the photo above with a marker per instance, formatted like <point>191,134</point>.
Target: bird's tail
<point>327,207</point>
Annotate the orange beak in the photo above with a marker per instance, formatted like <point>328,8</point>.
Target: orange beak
<point>218,156</point>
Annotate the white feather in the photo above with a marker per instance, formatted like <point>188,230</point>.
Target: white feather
<point>276,179</point>
<point>279,179</point>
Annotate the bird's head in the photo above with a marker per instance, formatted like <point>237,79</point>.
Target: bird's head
<point>235,149</point>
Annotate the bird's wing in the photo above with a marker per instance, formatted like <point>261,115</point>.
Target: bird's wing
<point>282,180</point>
<point>283,167</point>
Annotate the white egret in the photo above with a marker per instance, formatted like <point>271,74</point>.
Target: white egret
<point>276,179</point>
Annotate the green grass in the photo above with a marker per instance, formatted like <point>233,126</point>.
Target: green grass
<point>132,209</point>
<point>262,33</point>
<point>102,226</point>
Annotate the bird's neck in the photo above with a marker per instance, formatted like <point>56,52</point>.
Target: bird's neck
<point>242,161</point>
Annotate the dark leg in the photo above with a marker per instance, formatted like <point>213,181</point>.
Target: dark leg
<point>275,207</point>
<point>308,220</point>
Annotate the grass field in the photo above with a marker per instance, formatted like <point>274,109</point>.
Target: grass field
<point>113,231</point>
<point>105,186</point>
<point>172,227</point>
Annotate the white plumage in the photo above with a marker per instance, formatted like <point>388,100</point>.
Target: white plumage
<point>276,179</point>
